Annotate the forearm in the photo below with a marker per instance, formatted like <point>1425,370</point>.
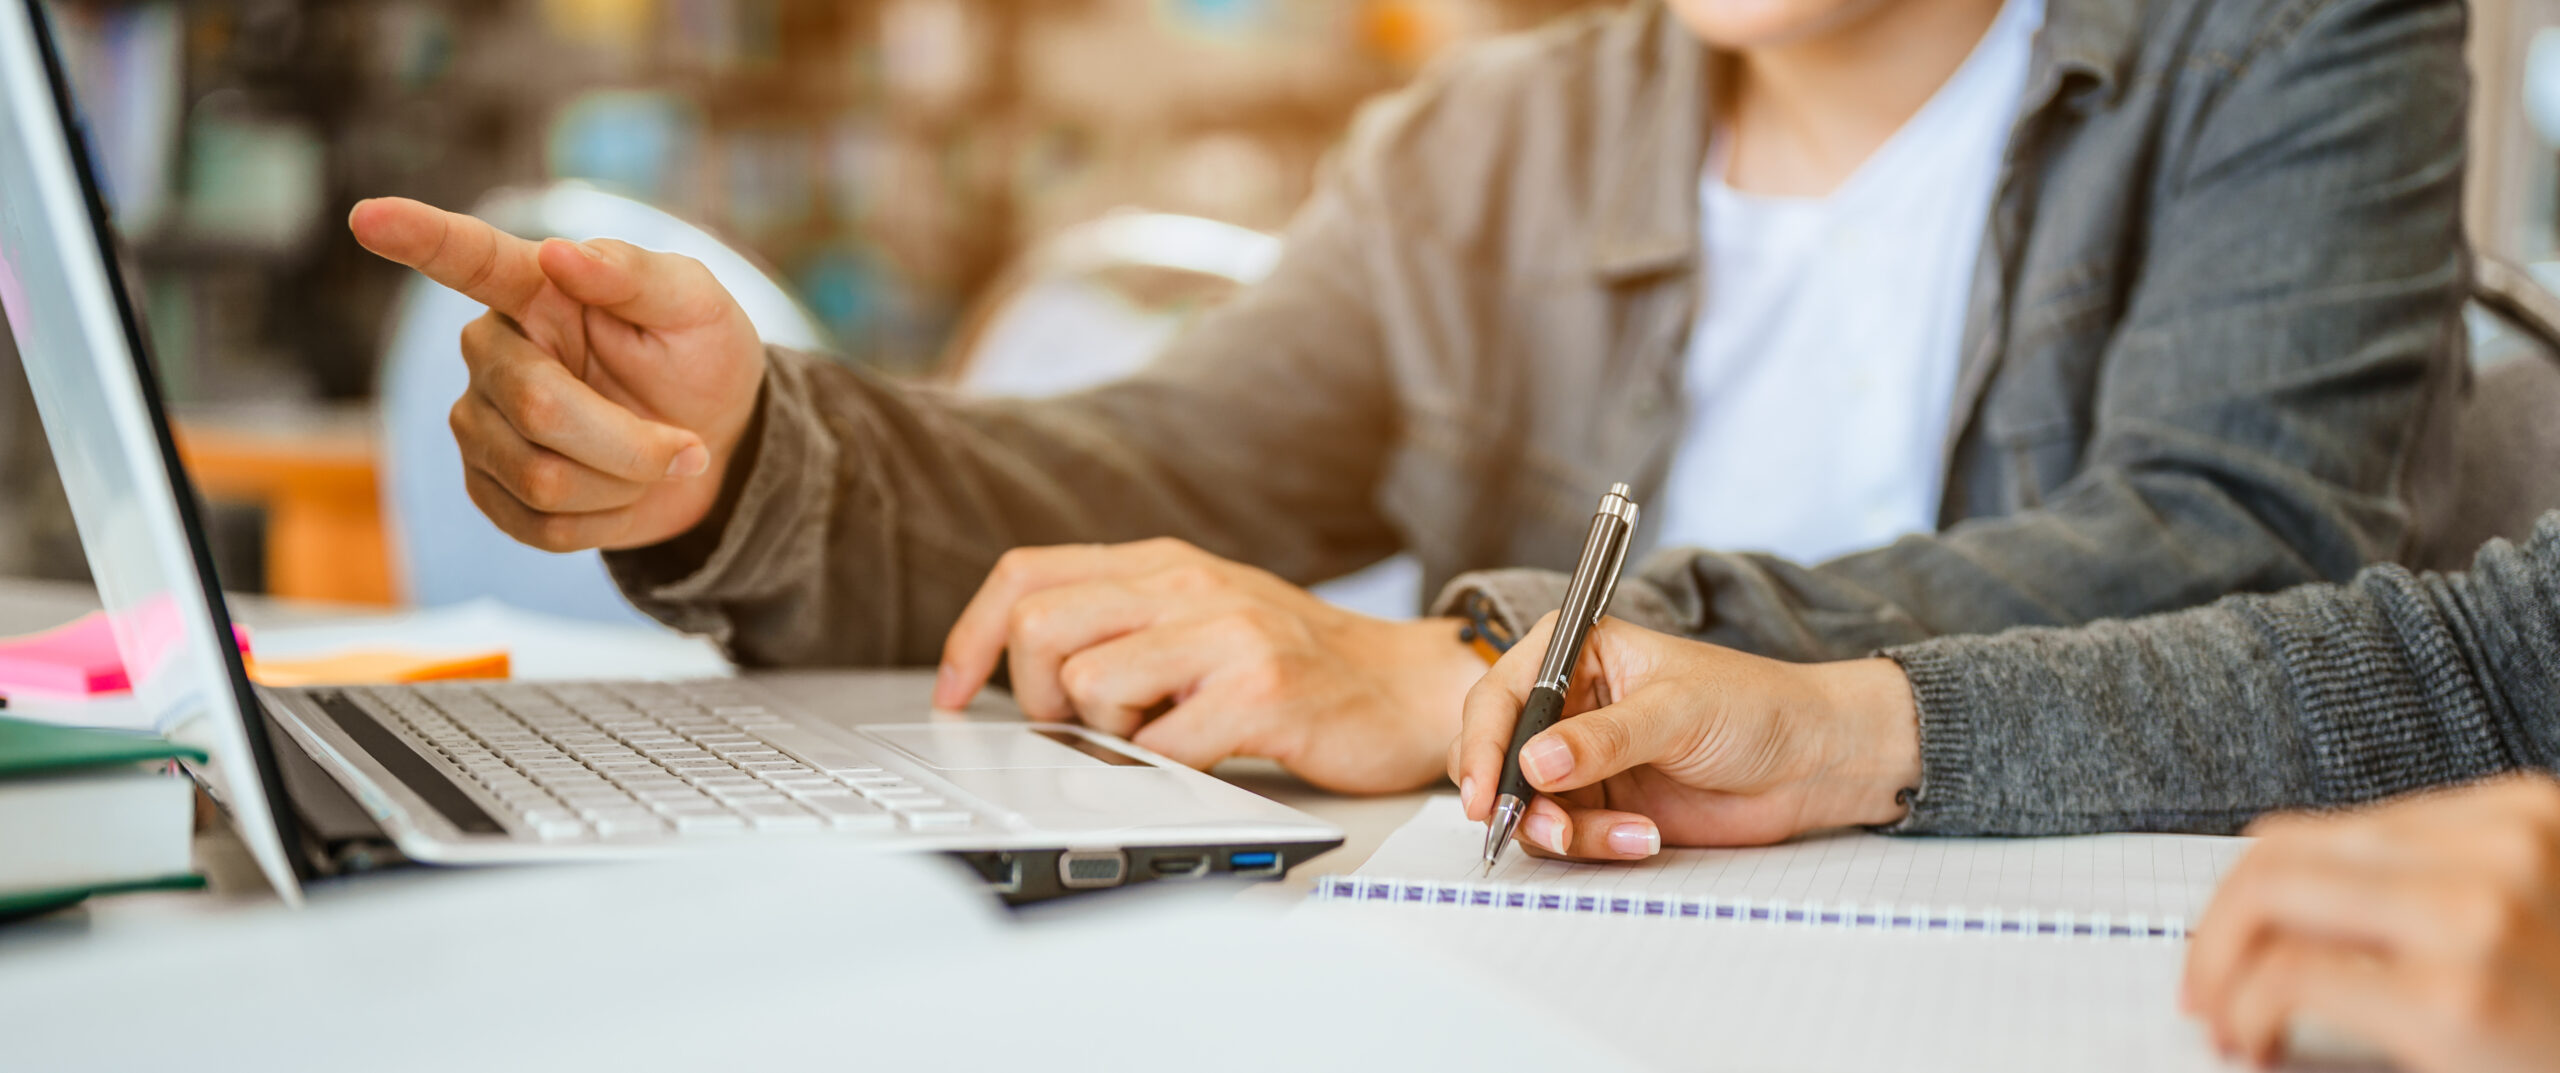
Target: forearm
<point>2203,720</point>
<point>875,509</point>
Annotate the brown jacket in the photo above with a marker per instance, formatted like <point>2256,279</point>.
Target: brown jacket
<point>2214,330</point>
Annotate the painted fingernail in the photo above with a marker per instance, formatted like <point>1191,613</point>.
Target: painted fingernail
<point>1546,760</point>
<point>1635,839</point>
<point>1545,830</point>
<point>1467,791</point>
<point>690,462</point>
<point>591,253</point>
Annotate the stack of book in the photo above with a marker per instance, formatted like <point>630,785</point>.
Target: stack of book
<point>87,812</point>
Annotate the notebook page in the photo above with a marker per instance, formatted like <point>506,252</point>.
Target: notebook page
<point>2159,877</point>
<point>1782,999</point>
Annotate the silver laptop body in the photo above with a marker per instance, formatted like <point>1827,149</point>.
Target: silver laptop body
<point>486,773</point>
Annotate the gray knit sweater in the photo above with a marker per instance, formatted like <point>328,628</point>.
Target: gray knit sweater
<point>2201,720</point>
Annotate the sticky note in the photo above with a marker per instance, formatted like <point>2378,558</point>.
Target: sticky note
<point>78,658</point>
<point>378,667</point>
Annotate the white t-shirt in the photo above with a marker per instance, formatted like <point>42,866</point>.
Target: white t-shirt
<point>1822,367</point>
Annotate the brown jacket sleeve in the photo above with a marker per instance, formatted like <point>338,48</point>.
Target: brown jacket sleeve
<point>873,509</point>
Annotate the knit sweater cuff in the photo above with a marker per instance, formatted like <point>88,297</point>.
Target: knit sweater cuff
<point>1945,702</point>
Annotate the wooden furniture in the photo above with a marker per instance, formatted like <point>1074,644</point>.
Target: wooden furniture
<point>319,483</point>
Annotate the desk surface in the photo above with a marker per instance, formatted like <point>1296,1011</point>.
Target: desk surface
<point>27,606</point>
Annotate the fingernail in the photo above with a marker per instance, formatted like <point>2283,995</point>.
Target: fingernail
<point>590,252</point>
<point>690,462</point>
<point>1545,830</point>
<point>944,677</point>
<point>1635,839</point>
<point>1467,791</point>
<point>1546,760</point>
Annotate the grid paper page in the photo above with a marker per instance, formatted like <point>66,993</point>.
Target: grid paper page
<point>1779,1000</point>
<point>2158,877</point>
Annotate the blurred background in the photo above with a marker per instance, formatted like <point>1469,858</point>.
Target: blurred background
<point>1012,196</point>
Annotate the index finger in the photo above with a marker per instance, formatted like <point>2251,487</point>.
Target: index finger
<point>482,263</point>
<point>980,635</point>
<point>1491,712</point>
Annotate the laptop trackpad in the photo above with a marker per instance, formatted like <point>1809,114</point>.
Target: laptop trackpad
<point>1001,747</point>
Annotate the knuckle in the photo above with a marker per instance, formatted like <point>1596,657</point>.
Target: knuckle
<point>1031,620</point>
<point>1193,578</point>
<point>1248,632</point>
<point>539,412</point>
<point>556,532</point>
<point>1013,564</point>
<point>544,483</point>
<point>1604,736</point>
<point>1082,678</point>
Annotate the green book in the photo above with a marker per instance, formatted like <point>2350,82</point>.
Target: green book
<point>87,811</point>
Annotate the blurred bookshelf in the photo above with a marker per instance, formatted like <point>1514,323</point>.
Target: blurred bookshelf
<point>885,157</point>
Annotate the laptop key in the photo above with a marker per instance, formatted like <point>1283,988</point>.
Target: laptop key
<point>558,830</point>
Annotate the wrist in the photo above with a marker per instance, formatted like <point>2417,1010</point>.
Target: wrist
<point>1437,668</point>
<point>1876,736</point>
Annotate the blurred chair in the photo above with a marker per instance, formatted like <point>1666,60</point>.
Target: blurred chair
<point>443,549</point>
<point>2507,472</point>
<point>1099,300</point>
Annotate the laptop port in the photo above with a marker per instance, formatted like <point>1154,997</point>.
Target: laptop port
<point>1084,869</point>
<point>1178,865</point>
<point>1258,862</point>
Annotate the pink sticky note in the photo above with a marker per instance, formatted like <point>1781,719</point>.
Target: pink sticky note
<point>78,659</point>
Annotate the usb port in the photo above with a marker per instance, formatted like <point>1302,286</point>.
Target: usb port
<point>1254,862</point>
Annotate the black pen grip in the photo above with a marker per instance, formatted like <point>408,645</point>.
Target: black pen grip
<point>1544,708</point>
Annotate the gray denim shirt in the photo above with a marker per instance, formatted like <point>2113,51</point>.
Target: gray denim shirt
<point>2213,339</point>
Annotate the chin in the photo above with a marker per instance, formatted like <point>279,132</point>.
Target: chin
<point>1734,25</point>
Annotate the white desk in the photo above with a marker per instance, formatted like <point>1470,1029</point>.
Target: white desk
<point>27,606</point>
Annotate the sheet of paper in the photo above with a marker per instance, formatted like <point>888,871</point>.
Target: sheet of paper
<point>1777,999</point>
<point>2161,877</point>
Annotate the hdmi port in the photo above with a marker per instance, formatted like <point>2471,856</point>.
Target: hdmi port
<point>1181,866</point>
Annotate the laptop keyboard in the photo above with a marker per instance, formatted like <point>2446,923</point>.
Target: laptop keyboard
<point>641,761</point>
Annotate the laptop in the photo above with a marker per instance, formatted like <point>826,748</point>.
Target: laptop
<point>317,780</point>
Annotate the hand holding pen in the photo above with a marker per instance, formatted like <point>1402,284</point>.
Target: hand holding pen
<point>1667,741</point>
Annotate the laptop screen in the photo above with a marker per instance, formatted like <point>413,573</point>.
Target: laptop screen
<point>83,351</point>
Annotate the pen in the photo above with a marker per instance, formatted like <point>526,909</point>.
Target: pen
<point>1586,598</point>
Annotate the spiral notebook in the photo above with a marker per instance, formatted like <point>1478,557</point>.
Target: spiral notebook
<point>2115,887</point>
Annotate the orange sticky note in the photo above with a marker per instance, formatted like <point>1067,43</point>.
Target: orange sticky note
<point>377,667</point>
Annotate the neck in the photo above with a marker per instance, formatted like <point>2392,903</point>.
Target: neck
<point>1805,113</point>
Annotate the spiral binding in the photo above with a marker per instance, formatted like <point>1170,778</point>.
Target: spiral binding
<point>1918,920</point>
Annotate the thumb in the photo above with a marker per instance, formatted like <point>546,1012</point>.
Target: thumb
<point>1602,742</point>
<point>662,291</point>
